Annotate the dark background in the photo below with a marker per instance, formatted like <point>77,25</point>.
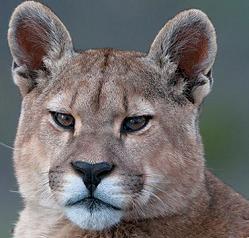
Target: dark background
<point>132,25</point>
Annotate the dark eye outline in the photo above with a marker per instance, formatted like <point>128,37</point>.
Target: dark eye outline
<point>125,129</point>
<point>56,120</point>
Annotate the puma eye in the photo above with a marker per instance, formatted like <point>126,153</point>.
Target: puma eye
<point>132,124</point>
<point>63,120</point>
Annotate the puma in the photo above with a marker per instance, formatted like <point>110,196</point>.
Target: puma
<point>108,143</point>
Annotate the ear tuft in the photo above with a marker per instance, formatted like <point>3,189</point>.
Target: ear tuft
<point>189,40</point>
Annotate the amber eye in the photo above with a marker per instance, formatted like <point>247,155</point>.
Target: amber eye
<point>132,124</point>
<point>63,120</point>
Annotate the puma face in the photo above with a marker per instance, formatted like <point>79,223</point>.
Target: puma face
<point>108,135</point>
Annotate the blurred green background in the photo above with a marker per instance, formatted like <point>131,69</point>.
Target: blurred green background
<point>132,25</point>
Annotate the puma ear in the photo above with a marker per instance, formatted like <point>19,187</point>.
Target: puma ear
<point>188,41</point>
<point>37,40</point>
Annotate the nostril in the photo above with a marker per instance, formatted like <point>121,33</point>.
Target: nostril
<point>103,169</point>
<point>80,167</point>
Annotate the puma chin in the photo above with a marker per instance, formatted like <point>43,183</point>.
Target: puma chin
<point>98,211</point>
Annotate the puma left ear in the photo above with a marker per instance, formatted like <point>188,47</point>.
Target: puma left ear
<point>188,41</point>
<point>38,41</point>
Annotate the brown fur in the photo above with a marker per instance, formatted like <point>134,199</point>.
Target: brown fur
<point>160,181</point>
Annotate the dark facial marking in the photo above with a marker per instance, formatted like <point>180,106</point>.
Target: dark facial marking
<point>105,63</point>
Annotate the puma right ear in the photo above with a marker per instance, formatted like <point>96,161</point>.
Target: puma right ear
<point>38,41</point>
<point>188,41</point>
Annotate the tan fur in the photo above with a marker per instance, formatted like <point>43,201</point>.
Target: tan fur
<point>160,181</point>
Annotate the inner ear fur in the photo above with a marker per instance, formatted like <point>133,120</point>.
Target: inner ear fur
<point>189,41</point>
<point>37,38</point>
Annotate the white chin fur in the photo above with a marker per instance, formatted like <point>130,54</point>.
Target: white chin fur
<point>99,219</point>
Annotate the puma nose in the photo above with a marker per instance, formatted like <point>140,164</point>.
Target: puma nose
<point>92,173</point>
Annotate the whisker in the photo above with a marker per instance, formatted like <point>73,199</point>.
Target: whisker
<point>155,196</point>
<point>136,205</point>
<point>159,189</point>
<point>154,175</point>
<point>45,172</point>
<point>7,146</point>
<point>14,191</point>
<point>44,184</point>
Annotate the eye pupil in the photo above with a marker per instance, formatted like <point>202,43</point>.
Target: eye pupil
<point>132,124</point>
<point>65,121</point>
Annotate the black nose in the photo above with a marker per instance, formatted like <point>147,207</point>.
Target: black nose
<point>92,173</point>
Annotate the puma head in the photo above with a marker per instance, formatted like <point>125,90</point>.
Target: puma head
<point>107,135</point>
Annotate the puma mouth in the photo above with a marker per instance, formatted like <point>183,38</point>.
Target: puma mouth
<point>91,203</point>
<point>91,213</point>
<point>98,210</point>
